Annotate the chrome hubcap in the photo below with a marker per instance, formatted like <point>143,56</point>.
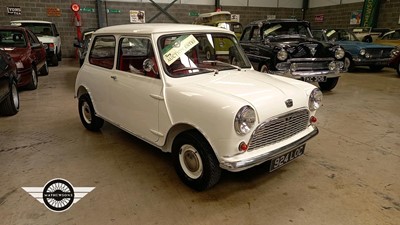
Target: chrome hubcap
<point>34,77</point>
<point>87,115</point>
<point>190,161</point>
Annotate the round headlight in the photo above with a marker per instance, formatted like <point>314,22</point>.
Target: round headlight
<point>394,52</point>
<point>282,55</point>
<point>362,52</point>
<point>332,66</point>
<point>315,100</point>
<point>245,120</point>
<point>339,53</point>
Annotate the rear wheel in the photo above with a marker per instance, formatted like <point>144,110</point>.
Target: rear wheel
<point>34,79</point>
<point>10,105</point>
<point>195,161</point>
<point>87,114</point>
<point>44,70</point>
<point>329,84</point>
<point>54,60</point>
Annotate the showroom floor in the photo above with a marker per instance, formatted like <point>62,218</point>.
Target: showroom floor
<point>350,173</point>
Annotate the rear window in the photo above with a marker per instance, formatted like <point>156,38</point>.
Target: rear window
<point>40,29</point>
<point>12,38</point>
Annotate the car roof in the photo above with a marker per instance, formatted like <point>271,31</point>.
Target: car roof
<point>153,28</point>
<point>12,28</point>
<point>31,21</point>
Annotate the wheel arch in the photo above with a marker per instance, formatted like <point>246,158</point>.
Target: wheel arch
<point>180,129</point>
<point>81,91</point>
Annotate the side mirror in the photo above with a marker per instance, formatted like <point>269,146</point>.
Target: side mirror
<point>148,66</point>
<point>78,44</point>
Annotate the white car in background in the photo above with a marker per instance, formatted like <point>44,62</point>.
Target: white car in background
<point>47,34</point>
<point>155,82</point>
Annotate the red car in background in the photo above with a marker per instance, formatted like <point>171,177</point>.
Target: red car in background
<point>28,53</point>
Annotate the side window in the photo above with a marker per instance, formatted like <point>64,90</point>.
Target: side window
<point>102,52</point>
<point>256,34</point>
<point>32,37</point>
<point>54,29</point>
<point>246,34</point>
<point>132,54</point>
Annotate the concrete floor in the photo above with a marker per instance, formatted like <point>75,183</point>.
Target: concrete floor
<point>350,173</point>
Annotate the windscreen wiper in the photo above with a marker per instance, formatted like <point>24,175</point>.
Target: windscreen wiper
<point>222,63</point>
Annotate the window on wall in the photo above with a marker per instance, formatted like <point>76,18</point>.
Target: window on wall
<point>133,52</point>
<point>103,52</point>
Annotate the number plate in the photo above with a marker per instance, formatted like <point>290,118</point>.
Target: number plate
<point>286,158</point>
<point>315,79</point>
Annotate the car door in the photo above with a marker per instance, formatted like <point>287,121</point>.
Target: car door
<point>37,50</point>
<point>135,93</point>
<point>99,74</point>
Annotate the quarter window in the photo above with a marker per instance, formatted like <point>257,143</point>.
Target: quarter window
<point>103,52</point>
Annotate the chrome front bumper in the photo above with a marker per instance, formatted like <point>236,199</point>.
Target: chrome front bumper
<point>239,165</point>
<point>299,68</point>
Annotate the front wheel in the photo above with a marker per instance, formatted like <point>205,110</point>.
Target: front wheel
<point>348,64</point>
<point>329,84</point>
<point>195,161</point>
<point>376,68</point>
<point>87,114</point>
<point>264,68</point>
<point>10,105</point>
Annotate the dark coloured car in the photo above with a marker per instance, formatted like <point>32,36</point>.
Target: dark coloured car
<point>358,53</point>
<point>394,62</point>
<point>286,47</point>
<point>9,98</point>
<point>83,44</point>
<point>27,52</point>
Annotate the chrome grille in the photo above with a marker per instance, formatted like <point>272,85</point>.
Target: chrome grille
<point>278,129</point>
<point>312,66</point>
<point>379,53</point>
<point>301,52</point>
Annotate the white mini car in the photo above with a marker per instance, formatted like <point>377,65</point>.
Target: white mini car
<point>215,112</point>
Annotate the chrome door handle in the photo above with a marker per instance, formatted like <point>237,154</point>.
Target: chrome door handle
<point>114,77</point>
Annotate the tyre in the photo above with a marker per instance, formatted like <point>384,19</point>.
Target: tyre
<point>348,64</point>
<point>376,68</point>
<point>54,60</point>
<point>195,161</point>
<point>264,68</point>
<point>87,114</point>
<point>10,105</point>
<point>44,70</point>
<point>398,69</point>
<point>329,84</point>
<point>34,79</point>
<point>59,56</point>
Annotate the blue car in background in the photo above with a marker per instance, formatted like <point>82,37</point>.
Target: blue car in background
<point>358,53</point>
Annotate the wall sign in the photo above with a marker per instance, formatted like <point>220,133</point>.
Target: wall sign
<point>319,18</point>
<point>355,17</point>
<point>53,12</point>
<point>113,11</point>
<point>137,16</point>
<point>14,11</point>
<point>235,17</point>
